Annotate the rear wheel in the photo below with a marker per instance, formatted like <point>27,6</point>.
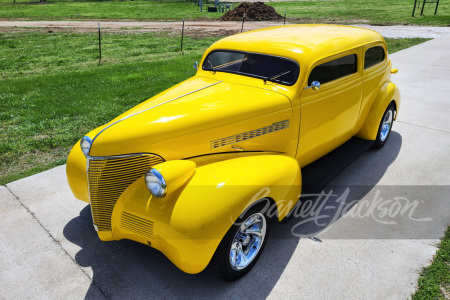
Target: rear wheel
<point>241,247</point>
<point>384,130</point>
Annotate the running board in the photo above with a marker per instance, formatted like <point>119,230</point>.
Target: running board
<point>318,174</point>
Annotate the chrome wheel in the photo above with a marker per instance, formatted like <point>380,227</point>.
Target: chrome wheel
<point>247,241</point>
<point>386,126</point>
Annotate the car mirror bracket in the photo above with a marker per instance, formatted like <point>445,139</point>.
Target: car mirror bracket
<point>315,85</point>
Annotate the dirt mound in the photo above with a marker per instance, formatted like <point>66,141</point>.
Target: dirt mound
<point>254,11</point>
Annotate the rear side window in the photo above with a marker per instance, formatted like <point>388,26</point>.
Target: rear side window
<point>334,69</point>
<point>373,56</point>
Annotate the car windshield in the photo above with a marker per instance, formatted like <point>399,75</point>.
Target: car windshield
<point>267,67</point>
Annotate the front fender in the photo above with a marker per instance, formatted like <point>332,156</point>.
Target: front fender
<point>76,173</point>
<point>388,93</point>
<point>188,225</point>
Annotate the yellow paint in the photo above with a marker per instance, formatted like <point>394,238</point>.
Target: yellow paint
<point>176,173</point>
<point>198,127</point>
<point>329,114</point>
<point>76,173</point>
<point>190,223</point>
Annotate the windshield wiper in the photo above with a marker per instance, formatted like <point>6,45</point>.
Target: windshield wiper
<point>275,77</point>
<point>212,67</point>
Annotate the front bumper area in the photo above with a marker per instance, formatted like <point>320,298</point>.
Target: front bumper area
<point>140,217</point>
<point>188,224</point>
<point>123,208</point>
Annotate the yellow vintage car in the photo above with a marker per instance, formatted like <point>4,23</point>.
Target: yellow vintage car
<point>189,171</point>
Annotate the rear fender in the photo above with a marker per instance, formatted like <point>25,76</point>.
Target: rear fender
<point>388,93</point>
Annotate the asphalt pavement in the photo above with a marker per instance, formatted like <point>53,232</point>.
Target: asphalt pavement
<point>373,250</point>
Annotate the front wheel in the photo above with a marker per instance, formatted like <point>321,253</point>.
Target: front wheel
<point>241,247</point>
<point>385,127</point>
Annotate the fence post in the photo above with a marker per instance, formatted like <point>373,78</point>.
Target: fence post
<point>182,35</point>
<point>201,5</point>
<point>414,8</point>
<point>285,16</point>
<point>99,45</point>
<point>243,18</point>
<point>437,4</point>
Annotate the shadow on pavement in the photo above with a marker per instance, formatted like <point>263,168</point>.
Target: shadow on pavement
<point>127,269</point>
<point>315,214</point>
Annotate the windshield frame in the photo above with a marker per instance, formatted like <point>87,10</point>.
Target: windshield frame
<point>206,68</point>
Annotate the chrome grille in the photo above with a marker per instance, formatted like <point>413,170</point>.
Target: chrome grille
<point>137,225</point>
<point>249,134</point>
<point>108,177</point>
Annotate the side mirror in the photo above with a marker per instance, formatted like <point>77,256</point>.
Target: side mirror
<point>315,85</point>
<point>394,71</point>
<point>196,65</point>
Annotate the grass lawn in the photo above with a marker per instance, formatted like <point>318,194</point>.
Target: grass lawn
<point>434,281</point>
<point>376,12</point>
<point>52,92</point>
<point>129,10</point>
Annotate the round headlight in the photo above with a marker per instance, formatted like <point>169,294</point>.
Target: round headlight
<point>155,183</point>
<point>86,145</point>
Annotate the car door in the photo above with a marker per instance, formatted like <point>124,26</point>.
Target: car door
<point>329,114</point>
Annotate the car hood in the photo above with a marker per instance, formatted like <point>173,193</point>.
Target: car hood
<point>182,121</point>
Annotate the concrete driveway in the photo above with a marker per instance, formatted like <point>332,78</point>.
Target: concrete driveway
<point>49,249</point>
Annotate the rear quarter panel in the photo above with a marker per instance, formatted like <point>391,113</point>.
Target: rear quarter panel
<point>374,79</point>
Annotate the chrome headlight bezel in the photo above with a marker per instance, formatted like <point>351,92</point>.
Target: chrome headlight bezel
<point>156,184</point>
<point>85,145</point>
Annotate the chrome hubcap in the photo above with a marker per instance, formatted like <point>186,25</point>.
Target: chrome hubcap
<point>248,241</point>
<point>386,126</point>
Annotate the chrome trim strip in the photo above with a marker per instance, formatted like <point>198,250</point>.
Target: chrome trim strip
<point>277,126</point>
<point>116,156</point>
<point>138,225</point>
<point>124,118</point>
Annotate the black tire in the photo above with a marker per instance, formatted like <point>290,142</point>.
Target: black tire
<point>220,263</point>
<point>381,136</point>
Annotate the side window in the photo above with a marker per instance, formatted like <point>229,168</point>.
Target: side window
<point>373,56</point>
<point>334,69</point>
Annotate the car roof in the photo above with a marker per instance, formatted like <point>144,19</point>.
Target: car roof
<point>305,42</point>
